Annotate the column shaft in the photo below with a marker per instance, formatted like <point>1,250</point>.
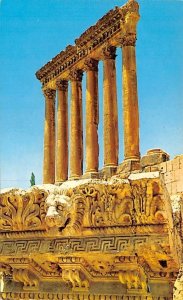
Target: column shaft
<point>62,132</point>
<point>110,108</point>
<point>92,148</point>
<point>76,129</point>
<point>49,137</point>
<point>130,104</point>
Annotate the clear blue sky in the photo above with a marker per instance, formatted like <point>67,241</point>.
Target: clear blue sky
<point>33,31</point>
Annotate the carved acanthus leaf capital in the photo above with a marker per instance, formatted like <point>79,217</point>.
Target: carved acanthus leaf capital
<point>128,40</point>
<point>132,6</point>
<point>49,93</point>
<point>76,75</point>
<point>62,85</point>
<point>109,52</point>
<point>91,64</point>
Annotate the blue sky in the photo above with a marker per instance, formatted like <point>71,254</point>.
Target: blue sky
<point>33,31</point>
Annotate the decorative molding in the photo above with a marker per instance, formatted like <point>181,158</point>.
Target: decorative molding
<point>68,245</point>
<point>21,211</point>
<point>77,295</point>
<point>107,28</point>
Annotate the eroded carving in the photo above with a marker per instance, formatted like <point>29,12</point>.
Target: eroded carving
<point>22,211</point>
<point>49,93</point>
<point>26,277</point>
<point>62,85</point>
<point>74,277</point>
<point>134,279</point>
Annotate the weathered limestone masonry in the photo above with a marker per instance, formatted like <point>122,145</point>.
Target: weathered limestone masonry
<point>110,234</point>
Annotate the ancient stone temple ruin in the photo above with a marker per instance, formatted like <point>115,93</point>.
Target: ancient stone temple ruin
<point>108,234</point>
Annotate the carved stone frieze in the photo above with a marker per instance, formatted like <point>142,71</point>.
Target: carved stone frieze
<point>22,210</point>
<point>134,279</point>
<point>73,276</point>
<point>28,279</point>
<point>79,296</point>
<point>93,205</point>
<point>140,202</point>
<point>116,21</point>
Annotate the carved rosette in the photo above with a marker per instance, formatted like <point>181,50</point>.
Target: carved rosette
<point>91,64</point>
<point>49,94</point>
<point>76,75</point>
<point>62,85</point>
<point>109,52</point>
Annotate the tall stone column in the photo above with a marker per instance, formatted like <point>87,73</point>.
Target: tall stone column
<point>62,132</point>
<point>76,129</point>
<point>130,99</point>
<point>92,147</point>
<point>110,107</point>
<point>49,137</point>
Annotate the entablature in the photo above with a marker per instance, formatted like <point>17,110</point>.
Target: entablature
<point>111,29</point>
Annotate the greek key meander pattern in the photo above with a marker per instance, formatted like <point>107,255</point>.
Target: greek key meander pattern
<point>80,296</point>
<point>71,245</point>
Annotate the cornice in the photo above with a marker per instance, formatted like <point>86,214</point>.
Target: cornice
<point>94,37</point>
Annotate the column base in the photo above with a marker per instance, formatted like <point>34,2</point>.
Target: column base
<point>128,166</point>
<point>108,172</point>
<point>74,177</point>
<point>58,183</point>
<point>90,175</point>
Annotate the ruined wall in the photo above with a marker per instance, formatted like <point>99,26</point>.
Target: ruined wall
<point>172,171</point>
<point>173,174</point>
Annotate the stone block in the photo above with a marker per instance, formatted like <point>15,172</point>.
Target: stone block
<point>154,157</point>
<point>169,167</point>
<point>174,187</point>
<point>181,161</point>
<point>147,169</point>
<point>129,166</point>
<point>168,177</point>
<point>177,174</point>
<point>169,188</point>
<point>180,186</point>
<point>154,168</point>
<point>90,175</point>
<point>163,167</point>
<point>107,172</point>
<point>176,163</point>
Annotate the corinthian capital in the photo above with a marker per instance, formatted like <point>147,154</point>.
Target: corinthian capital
<point>91,64</point>
<point>76,75</point>
<point>109,52</point>
<point>49,93</point>
<point>62,85</point>
<point>128,40</point>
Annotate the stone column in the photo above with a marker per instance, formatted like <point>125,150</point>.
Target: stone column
<point>49,137</point>
<point>92,148</point>
<point>110,108</point>
<point>130,100</point>
<point>76,129</point>
<point>62,132</point>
